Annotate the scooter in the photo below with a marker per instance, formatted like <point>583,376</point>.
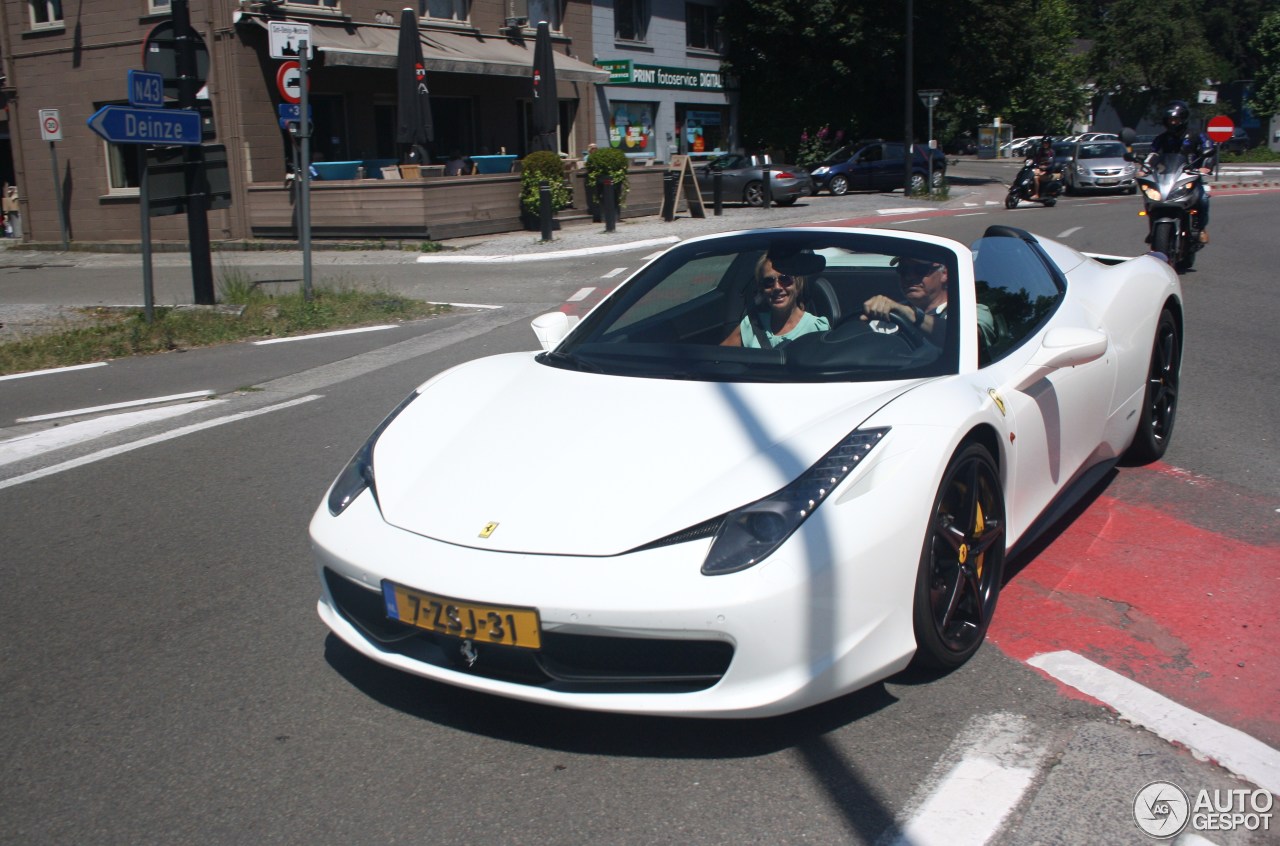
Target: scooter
<point>1024,185</point>
<point>1171,192</point>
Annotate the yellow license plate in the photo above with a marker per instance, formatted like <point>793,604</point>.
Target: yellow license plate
<point>463,619</point>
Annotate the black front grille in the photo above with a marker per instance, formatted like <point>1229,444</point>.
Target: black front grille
<point>567,662</point>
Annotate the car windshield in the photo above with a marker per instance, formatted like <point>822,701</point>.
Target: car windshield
<point>1102,150</point>
<point>673,319</point>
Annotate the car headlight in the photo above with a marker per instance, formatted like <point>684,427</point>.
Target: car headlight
<point>820,171</point>
<point>750,534</point>
<point>358,474</point>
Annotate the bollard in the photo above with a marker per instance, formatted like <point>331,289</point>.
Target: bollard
<point>717,192</point>
<point>766,188</point>
<point>609,198</point>
<point>544,209</point>
<point>669,196</point>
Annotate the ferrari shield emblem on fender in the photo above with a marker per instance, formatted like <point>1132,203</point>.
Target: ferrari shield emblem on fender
<point>488,529</point>
<point>997,399</point>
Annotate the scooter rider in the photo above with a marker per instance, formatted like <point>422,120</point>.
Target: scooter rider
<point>1200,150</point>
<point>1042,161</point>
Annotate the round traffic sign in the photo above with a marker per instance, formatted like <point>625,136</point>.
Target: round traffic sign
<point>289,81</point>
<point>1220,128</point>
<point>51,125</point>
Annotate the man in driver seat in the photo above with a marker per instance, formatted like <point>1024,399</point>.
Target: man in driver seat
<point>924,304</point>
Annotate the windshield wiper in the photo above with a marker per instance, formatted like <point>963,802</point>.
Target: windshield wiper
<point>569,362</point>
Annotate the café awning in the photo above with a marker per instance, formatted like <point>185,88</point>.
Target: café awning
<point>371,46</point>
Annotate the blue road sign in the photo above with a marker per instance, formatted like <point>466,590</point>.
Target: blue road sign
<point>146,89</point>
<point>292,113</point>
<point>123,125</point>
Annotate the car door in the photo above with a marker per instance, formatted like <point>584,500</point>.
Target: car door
<point>1058,420</point>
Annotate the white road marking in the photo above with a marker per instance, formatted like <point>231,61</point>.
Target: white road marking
<point>145,442</point>
<point>916,210</point>
<point>1066,233</point>
<point>332,334</point>
<point>581,295</point>
<point>53,370</point>
<point>614,272</point>
<point>115,406</point>
<point>467,305</point>
<point>451,258</point>
<point>28,446</point>
<point>972,801</point>
<point>1231,748</point>
<point>971,214</point>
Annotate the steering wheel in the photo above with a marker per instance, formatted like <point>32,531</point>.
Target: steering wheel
<point>911,334</point>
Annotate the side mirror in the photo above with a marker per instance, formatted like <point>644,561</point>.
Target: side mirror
<point>551,328</point>
<point>1062,348</point>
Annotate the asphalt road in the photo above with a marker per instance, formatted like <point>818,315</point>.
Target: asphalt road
<point>166,680</point>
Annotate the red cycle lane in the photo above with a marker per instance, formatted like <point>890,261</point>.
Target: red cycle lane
<point>1169,579</point>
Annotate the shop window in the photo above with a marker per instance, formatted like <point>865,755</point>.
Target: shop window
<point>702,27</point>
<point>702,129</point>
<point>46,14</point>
<point>631,127</point>
<point>444,10</point>
<point>630,20</point>
<point>544,10</point>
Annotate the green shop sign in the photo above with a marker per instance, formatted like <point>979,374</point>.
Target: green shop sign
<point>625,72</point>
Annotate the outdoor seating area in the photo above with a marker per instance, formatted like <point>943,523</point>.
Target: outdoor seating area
<point>368,168</point>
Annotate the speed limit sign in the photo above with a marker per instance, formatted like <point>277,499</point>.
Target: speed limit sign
<point>50,125</point>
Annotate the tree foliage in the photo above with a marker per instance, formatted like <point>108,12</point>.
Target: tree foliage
<point>1041,65</point>
<point>1266,94</point>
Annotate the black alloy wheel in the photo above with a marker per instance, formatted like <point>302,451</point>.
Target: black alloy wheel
<point>1160,399</point>
<point>962,563</point>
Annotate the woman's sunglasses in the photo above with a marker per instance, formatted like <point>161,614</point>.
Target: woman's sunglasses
<point>782,279</point>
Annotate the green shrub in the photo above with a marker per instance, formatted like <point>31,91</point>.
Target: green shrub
<point>607,161</point>
<point>543,166</point>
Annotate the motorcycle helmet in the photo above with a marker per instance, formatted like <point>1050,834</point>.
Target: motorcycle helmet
<point>1046,141</point>
<point>1175,117</point>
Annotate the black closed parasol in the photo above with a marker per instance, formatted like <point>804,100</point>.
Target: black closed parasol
<point>546,105</point>
<point>414,126</point>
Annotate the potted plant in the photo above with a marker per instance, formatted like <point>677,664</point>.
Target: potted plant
<point>601,163</point>
<point>536,168</point>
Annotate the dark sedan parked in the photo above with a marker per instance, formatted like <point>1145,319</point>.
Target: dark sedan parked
<point>1239,142</point>
<point>743,180</point>
<point>877,165</point>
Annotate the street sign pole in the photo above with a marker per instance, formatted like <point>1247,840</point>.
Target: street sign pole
<point>144,204</point>
<point>930,97</point>
<point>51,131</point>
<point>304,172</point>
<point>198,200</point>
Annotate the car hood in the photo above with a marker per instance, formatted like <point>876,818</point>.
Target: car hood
<point>564,462</point>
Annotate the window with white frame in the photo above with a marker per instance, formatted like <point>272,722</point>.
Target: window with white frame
<point>323,4</point>
<point>159,7</point>
<point>544,10</point>
<point>630,20</point>
<point>702,27</point>
<point>444,10</point>
<point>46,14</point>
<point>122,169</point>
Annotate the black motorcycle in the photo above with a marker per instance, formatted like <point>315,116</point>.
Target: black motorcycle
<point>1024,185</point>
<point>1171,191</point>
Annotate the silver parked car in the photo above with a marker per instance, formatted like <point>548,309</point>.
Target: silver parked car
<point>743,181</point>
<point>1100,166</point>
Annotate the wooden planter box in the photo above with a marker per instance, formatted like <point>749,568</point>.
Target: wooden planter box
<point>433,208</point>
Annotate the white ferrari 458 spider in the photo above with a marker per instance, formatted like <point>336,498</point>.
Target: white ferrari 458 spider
<point>770,468</point>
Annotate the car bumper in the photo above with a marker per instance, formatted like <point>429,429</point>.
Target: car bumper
<point>1089,182</point>
<point>644,632</point>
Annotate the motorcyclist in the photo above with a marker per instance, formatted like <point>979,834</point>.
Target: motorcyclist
<point>1200,150</point>
<point>1041,162</point>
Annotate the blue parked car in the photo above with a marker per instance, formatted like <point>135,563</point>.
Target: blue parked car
<point>876,165</point>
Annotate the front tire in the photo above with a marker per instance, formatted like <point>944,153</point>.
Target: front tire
<point>1011,201</point>
<point>1160,399</point>
<point>962,564</point>
<point>1163,239</point>
<point>839,186</point>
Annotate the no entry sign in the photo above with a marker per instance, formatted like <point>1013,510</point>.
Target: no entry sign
<point>1220,128</point>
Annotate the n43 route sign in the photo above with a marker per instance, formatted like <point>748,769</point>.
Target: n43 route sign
<point>123,125</point>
